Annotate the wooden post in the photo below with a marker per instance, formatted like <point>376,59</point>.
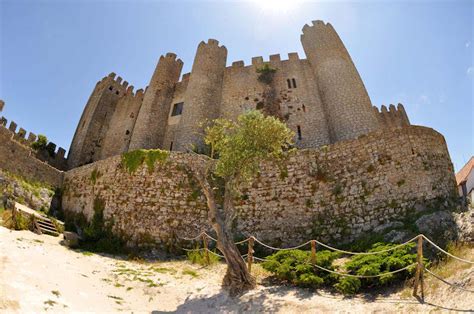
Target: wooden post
<point>419,269</point>
<point>250,253</point>
<point>206,252</point>
<point>313,251</point>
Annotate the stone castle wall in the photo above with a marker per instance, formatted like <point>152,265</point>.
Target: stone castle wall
<point>337,192</point>
<point>18,158</point>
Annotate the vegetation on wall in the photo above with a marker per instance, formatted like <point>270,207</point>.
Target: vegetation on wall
<point>266,73</point>
<point>41,144</point>
<point>131,161</point>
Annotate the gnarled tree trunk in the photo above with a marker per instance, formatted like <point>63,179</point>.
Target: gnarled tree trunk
<point>237,278</point>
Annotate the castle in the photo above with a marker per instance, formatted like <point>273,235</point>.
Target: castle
<point>362,170</point>
<point>322,99</point>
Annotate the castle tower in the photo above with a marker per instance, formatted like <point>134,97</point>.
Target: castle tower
<point>344,96</point>
<point>87,141</point>
<point>119,133</point>
<point>150,126</point>
<point>203,94</point>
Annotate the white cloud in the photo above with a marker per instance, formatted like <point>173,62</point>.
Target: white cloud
<point>468,44</point>
<point>424,99</point>
<point>470,70</point>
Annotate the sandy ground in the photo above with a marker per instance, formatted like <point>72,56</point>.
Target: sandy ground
<point>37,274</point>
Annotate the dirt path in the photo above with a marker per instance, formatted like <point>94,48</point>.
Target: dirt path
<point>37,274</point>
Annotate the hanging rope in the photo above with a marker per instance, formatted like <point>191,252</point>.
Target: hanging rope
<point>278,249</point>
<point>366,253</point>
<point>361,276</point>
<point>457,286</point>
<point>447,253</point>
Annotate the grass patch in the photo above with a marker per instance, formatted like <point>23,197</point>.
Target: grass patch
<point>190,272</point>
<point>50,302</point>
<point>199,257</point>
<point>56,293</point>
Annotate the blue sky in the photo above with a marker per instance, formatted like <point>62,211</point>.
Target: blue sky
<point>52,53</point>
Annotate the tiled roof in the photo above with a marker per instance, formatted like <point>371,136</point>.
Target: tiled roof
<point>464,172</point>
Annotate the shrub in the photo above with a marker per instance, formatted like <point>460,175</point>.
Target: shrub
<point>199,257</point>
<point>266,73</point>
<point>371,265</point>
<point>294,266</point>
<point>40,143</point>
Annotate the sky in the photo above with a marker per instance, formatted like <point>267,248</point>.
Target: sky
<point>52,53</point>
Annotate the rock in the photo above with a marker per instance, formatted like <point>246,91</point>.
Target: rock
<point>440,226</point>
<point>71,239</point>
<point>396,236</point>
<point>465,223</point>
<point>389,225</point>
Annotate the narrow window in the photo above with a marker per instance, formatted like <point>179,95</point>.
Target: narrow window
<point>117,92</point>
<point>294,83</point>
<point>289,83</point>
<point>171,146</point>
<point>177,109</point>
<point>304,108</point>
<point>299,133</point>
<point>110,88</point>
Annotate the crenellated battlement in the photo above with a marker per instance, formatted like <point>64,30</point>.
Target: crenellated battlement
<point>392,117</point>
<point>51,154</point>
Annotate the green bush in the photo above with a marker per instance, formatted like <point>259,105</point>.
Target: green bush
<point>266,73</point>
<point>40,143</point>
<point>372,265</point>
<point>131,161</point>
<point>199,257</point>
<point>294,266</point>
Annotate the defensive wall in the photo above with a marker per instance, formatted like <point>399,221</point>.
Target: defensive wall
<point>334,193</point>
<point>16,156</point>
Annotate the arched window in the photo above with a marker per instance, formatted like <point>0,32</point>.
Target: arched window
<point>299,133</point>
<point>289,83</point>
<point>294,82</point>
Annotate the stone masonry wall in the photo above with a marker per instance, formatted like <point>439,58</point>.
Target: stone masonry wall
<point>21,160</point>
<point>334,193</point>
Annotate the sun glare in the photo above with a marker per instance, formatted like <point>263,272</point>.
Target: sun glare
<point>276,6</point>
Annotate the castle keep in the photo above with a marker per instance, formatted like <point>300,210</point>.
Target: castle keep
<point>322,99</point>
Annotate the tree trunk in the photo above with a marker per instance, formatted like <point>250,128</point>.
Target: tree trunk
<point>237,278</point>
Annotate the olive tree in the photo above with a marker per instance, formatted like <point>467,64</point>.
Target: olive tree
<point>237,148</point>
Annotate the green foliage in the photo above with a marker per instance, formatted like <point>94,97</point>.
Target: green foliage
<point>40,143</point>
<point>244,144</point>
<point>348,285</point>
<point>131,161</point>
<point>22,222</point>
<point>294,266</point>
<point>97,234</point>
<point>199,257</point>
<point>95,174</point>
<point>266,73</point>
<point>371,265</point>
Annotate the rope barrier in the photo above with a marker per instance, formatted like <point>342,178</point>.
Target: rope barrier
<point>192,239</point>
<point>361,276</point>
<point>447,282</point>
<point>447,253</point>
<point>278,249</point>
<point>366,253</point>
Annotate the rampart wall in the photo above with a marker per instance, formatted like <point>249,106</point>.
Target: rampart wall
<point>20,159</point>
<point>335,193</point>
<point>51,154</point>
